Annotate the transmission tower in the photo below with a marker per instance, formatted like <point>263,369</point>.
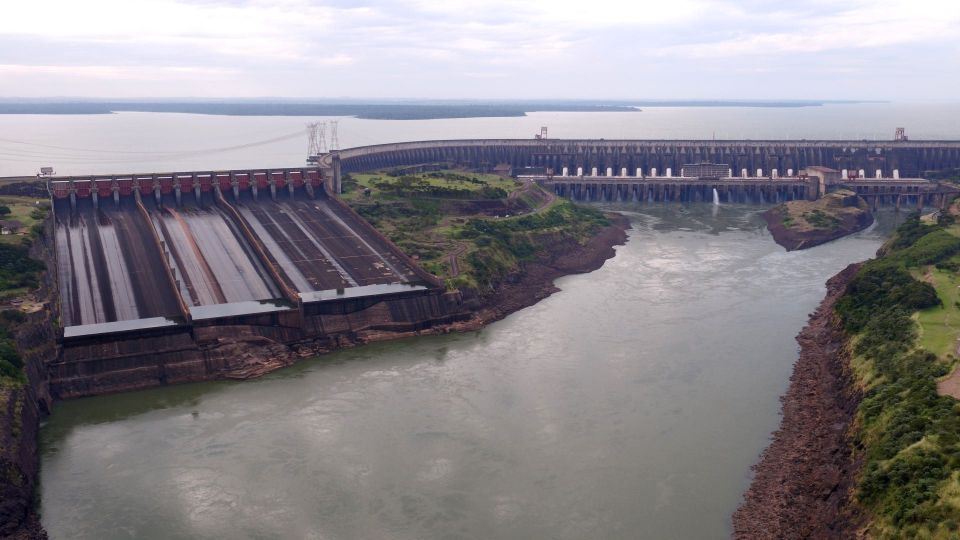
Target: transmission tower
<point>312,138</point>
<point>334,141</point>
<point>317,132</point>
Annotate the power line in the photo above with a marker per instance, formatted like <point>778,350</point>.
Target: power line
<point>169,153</point>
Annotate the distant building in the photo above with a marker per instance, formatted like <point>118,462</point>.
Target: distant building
<point>825,176</point>
<point>503,169</point>
<point>10,226</point>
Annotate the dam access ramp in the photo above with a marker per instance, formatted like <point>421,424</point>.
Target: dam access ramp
<point>142,253</point>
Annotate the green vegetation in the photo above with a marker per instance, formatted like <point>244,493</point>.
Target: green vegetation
<point>11,364</point>
<point>501,245</point>
<point>908,432</point>
<point>435,184</point>
<point>826,213</point>
<point>471,229</point>
<point>28,213</point>
<point>820,220</point>
<point>19,274</point>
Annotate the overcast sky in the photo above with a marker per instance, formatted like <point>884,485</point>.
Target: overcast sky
<point>749,49</point>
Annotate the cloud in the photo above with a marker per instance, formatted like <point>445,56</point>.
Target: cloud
<point>449,48</point>
<point>139,73</point>
<point>257,28</point>
<point>858,24</point>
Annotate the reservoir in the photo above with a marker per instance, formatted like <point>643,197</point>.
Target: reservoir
<point>629,405</point>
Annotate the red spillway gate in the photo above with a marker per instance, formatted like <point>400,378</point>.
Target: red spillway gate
<point>105,185</point>
<point>60,190</point>
<point>104,188</point>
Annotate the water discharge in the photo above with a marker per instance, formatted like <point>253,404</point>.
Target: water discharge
<point>629,405</point>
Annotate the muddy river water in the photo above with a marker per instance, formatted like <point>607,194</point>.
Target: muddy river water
<point>629,405</point>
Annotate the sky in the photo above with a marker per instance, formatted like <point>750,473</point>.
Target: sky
<point>906,50</point>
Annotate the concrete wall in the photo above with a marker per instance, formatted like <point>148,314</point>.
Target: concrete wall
<point>912,158</point>
<point>238,346</point>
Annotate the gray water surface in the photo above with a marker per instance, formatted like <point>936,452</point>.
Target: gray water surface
<point>155,142</point>
<point>629,405</point>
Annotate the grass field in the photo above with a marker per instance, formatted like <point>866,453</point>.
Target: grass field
<point>940,326</point>
<point>444,180</point>
<point>468,228</point>
<point>24,210</point>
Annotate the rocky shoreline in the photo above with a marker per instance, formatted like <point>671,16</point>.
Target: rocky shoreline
<point>556,260</point>
<point>845,212</point>
<point>802,485</point>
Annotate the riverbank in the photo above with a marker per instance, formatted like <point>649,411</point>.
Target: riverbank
<point>802,484</point>
<point>805,224</point>
<point>558,257</point>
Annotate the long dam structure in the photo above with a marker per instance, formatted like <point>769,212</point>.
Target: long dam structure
<point>766,171</point>
<point>194,275</point>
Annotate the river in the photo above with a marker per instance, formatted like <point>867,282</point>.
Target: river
<point>629,405</point>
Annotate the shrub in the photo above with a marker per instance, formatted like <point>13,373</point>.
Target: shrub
<point>878,286</point>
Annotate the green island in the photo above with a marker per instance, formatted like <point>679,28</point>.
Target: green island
<point>474,230</point>
<point>803,224</point>
<point>902,311</point>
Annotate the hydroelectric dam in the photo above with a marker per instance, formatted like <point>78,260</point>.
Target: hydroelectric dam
<point>194,275</point>
<point>176,277</point>
<point>884,172</point>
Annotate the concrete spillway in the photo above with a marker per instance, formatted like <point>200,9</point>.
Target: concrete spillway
<point>166,260</point>
<point>212,262</point>
<point>190,276</point>
<point>107,269</point>
<point>319,247</point>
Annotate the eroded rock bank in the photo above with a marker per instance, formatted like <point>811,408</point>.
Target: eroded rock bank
<point>805,224</point>
<point>803,482</point>
<point>22,408</point>
<point>557,257</point>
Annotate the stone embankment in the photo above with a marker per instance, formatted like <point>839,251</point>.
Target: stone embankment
<point>802,485</point>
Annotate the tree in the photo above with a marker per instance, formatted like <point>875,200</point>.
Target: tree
<point>4,210</point>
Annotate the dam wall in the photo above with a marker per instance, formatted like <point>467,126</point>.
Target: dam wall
<point>241,346</point>
<point>170,278</point>
<point>678,189</point>
<point>910,158</point>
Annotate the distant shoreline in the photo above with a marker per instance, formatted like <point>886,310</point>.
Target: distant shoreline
<point>369,110</point>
